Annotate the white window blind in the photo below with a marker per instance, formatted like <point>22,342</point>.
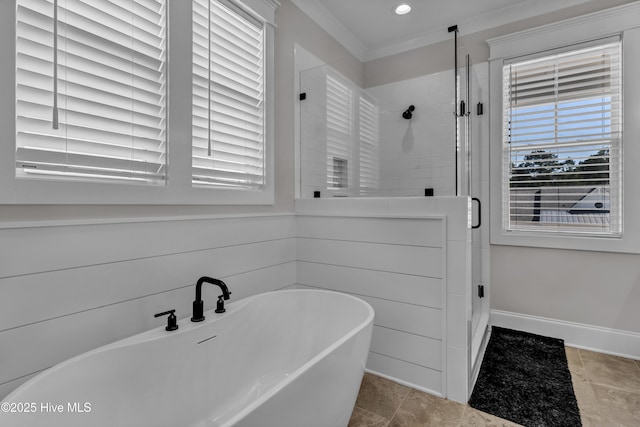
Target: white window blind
<point>368,134</point>
<point>562,142</point>
<point>228,96</point>
<point>339,133</point>
<point>90,89</point>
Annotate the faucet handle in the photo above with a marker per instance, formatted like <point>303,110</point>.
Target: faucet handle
<point>220,305</point>
<point>172,321</point>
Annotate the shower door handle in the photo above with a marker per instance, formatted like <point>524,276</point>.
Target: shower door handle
<point>479,212</point>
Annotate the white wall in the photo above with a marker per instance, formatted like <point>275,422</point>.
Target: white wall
<point>583,289</point>
<point>71,287</point>
<point>590,288</point>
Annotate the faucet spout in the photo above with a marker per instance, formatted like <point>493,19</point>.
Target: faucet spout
<point>198,304</point>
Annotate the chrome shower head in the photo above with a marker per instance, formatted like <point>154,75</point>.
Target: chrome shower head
<point>408,112</point>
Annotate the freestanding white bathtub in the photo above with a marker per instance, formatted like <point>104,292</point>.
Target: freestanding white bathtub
<point>287,358</point>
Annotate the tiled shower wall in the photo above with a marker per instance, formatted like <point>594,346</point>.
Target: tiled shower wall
<point>418,153</point>
<point>412,154</point>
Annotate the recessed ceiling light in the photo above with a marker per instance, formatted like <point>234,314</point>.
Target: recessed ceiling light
<point>402,8</point>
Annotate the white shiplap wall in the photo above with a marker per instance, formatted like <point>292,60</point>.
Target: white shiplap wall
<point>410,258</point>
<point>69,287</point>
<point>66,288</point>
<point>395,264</point>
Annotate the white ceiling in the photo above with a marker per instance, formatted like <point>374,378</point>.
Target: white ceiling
<point>370,29</point>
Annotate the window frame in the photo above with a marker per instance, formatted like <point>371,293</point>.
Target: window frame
<point>619,21</point>
<point>178,188</point>
<point>106,86</point>
<point>510,138</point>
<point>229,152</point>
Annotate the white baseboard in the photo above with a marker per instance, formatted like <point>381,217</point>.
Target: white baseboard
<point>588,337</point>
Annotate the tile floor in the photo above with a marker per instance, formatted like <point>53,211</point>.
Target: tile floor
<point>607,389</point>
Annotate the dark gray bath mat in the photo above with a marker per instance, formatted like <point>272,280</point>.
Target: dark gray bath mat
<point>525,378</point>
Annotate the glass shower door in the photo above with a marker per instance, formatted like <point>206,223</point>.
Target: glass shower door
<point>470,179</point>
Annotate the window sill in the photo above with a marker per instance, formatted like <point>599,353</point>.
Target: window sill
<point>44,192</point>
<point>621,244</point>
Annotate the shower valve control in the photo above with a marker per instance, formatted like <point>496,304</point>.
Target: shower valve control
<point>220,305</point>
<point>172,321</point>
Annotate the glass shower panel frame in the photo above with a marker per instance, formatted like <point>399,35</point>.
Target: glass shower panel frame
<point>462,116</point>
<point>469,181</point>
<point>339,136</point>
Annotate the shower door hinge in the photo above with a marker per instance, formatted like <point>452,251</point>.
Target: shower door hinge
<point>480,291</point>
<point>303,96</point>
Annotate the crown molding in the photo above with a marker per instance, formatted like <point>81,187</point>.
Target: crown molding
<point>569,31</point>
<point>319,14</point>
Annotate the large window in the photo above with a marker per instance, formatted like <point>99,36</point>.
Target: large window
<point>90,90</point>
<point>228,96</point>
<point>562,142</point>
<point>113,102</point>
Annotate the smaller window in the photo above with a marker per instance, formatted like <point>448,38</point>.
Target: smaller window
<point>228,96</point>
<point>562,141</point>
<point>90,90</point>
